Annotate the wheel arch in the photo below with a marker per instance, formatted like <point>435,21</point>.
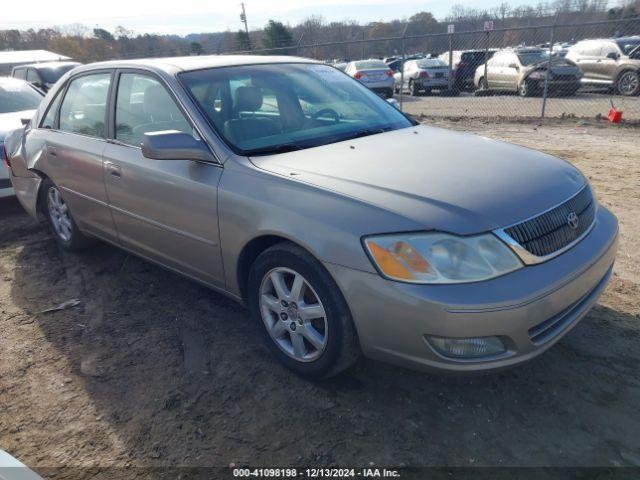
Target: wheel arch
<point>251,250</point>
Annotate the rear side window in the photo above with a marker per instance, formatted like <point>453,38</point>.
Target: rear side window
<point>84,106</point>
<point>143,105</point>
<point>32,76</point>
<point>20,73</point>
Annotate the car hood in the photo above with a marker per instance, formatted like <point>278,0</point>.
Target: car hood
<point>440,179</point>
<point>12,120</point>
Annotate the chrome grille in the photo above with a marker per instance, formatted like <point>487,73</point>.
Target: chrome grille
<point>550,231</point>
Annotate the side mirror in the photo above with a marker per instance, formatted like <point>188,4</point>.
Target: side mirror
<point>612,55</point>
<point>174,145</point>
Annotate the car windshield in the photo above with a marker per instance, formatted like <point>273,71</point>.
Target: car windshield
<point>369,64</point>
<point>17,95</point>
<point>265,109</point>
<point>530,58</point>
<point>629,45</point>
<point>53,74</point>
<point>430,63</point>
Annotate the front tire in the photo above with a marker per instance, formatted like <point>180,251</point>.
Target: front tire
<point>63,226</point>
<point>301,313</point>
<point>526,89</point>
<point>628,83</point>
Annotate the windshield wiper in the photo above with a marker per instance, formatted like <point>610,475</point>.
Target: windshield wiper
<point>282,148</point>
<point>366,132</point>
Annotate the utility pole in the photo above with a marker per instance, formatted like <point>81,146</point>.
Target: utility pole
<point>243,19</point>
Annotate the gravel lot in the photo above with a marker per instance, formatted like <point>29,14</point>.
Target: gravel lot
<point>583,105</point>
<point>153,370</point>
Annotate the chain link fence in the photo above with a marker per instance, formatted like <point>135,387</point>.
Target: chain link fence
<point>555,70</point>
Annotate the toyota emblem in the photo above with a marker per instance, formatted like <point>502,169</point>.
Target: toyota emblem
<point>573,220</point>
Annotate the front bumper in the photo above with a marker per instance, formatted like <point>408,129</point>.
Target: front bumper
<point>530,309</point>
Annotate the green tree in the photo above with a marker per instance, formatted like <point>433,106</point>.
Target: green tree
<point>103,34</point>
<point>195,48</point>
<point>243,41</point>
<point>276,36</point>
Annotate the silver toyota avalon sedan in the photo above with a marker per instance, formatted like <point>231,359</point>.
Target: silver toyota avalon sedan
<point>343,225</point>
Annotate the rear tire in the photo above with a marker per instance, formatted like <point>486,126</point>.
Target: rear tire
<point>308,328</point>
<point>58,215</point>
<point>628,83</point>
<point>413,88</point>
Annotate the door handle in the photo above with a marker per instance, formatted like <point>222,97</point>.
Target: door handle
<point>113,169</point>
<point>52,151</point>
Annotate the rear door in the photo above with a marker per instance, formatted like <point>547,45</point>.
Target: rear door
<point>165,210</point>
<point>75,143</point>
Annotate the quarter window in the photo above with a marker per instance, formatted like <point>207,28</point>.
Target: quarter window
<point>84,106</point>
<point>143,105</point>
<point>50,118</point>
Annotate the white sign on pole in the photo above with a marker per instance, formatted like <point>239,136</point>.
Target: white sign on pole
<point>488,25</point>
<point>451,28</point>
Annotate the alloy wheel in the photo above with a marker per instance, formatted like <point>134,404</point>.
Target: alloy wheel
<point>629,83</point>
<point>59,214</point>
<point>293,314</point>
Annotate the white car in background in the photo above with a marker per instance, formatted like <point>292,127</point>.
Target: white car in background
<point>374,74</point>
<point>423,75</point>
<point>18,100</point>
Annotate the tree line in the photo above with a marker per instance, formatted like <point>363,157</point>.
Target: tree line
<point>348,39</point>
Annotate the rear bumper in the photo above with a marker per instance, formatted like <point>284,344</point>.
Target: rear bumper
<point>529,310</point>
<point>434,82</point>
<point>26,190</point>
<point>386,84</point>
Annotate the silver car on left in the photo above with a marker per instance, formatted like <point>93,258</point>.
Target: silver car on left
<point>18,103</point>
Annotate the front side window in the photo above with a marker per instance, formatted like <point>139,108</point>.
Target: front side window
<point>143,105</point>
<point>84,106</point>
<point>263,109</point>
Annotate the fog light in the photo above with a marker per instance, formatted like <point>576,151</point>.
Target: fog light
<point>467,347</point>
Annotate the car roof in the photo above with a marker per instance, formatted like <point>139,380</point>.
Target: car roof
<point>171,64</point>
<point>47,65</point>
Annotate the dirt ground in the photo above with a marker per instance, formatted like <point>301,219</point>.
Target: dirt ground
<point>151,369</point>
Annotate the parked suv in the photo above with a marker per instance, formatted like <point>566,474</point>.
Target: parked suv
<point>524,70</point>
<point>464,64</point>
<point>609,61</point>
<point>43,75</point>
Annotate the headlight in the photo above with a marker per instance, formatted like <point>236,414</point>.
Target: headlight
<point>440,257</point>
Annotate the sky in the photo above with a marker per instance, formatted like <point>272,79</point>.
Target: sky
<point>196,16</point>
